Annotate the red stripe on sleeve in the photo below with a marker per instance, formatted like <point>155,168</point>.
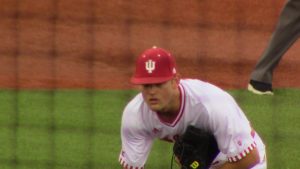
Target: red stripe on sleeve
<point>243,154</point>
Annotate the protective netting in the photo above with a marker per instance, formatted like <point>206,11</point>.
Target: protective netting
<point>91,44</point>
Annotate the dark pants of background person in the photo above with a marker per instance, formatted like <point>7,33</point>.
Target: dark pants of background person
<point>285,34</point>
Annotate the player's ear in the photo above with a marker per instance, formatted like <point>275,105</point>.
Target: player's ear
<point>177,78</point>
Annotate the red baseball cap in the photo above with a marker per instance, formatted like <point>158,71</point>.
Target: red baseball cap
<point>154,65</point>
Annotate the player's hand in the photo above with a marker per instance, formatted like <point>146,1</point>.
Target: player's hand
<point>178,161</point>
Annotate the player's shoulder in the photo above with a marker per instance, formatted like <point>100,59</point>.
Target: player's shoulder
<point>134,113</point>
<point>199,86</point>
<point>134,105</point>
<point>194,83</point>
<point>203,91</point>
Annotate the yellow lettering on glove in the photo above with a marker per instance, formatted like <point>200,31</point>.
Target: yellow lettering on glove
<point>195,165</point>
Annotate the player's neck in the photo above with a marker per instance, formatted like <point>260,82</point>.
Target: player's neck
<point>173,109</point>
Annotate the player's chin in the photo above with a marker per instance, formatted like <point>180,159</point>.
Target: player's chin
<point>155,107</point>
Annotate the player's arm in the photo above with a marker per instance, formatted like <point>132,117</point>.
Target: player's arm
<point>234,135</point>
<point>135,149</point>
<point>247,162</point>
<point>136,141</point>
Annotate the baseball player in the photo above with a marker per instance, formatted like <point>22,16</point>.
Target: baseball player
<point>167,105</point>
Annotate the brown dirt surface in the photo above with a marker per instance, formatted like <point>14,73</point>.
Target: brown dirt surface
<point>93,44</point>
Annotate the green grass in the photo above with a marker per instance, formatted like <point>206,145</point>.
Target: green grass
<point>81,129</point>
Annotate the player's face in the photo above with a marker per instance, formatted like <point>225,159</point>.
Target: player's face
<point>160,97</point>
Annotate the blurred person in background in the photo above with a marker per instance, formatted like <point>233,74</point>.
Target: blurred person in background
<point>286,33</point>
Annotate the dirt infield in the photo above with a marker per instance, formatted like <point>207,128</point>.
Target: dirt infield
<point>93,44</point>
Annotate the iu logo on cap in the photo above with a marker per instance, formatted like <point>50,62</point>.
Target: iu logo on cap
<point>150,65</point>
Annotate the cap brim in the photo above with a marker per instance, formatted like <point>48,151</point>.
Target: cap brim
<point>149,80</point>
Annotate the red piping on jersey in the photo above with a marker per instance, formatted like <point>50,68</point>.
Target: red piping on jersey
<point>126,166</point>
<point>181,108</point>
<point>243,154</point>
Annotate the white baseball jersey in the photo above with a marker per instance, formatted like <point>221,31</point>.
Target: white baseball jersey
<point>203,105</point>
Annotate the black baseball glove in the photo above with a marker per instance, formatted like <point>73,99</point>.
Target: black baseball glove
<point>195,149</point>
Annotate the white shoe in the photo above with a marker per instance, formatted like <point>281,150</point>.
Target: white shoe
<point>255,91</point>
